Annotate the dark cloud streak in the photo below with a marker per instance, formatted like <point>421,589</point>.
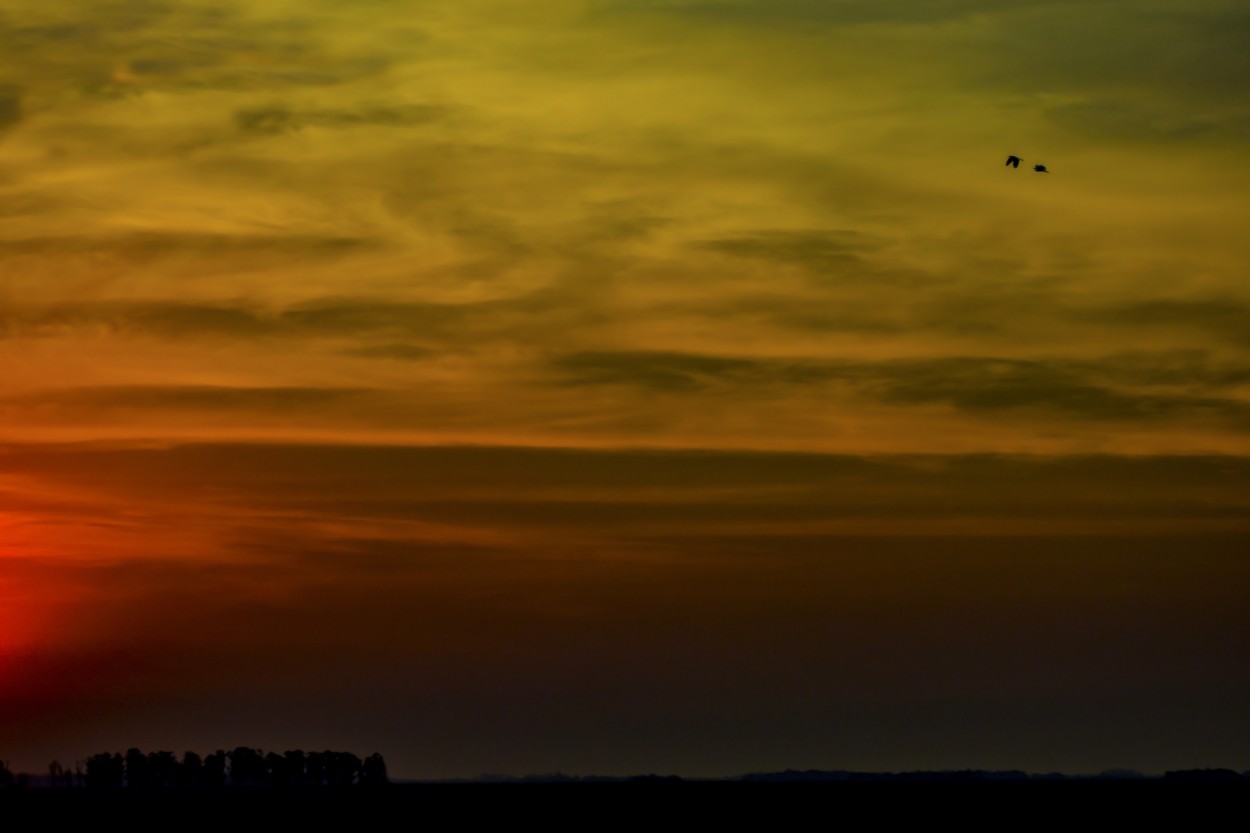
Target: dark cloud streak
<point>509,318</point>
<point>1228,318</point>
<point>831,13</point>
<point>1089,389</point>
<point>155,244</point>
<point>276,119</point>
<point>192,398</point>
<point>10,107</point>
<point>815,249</point>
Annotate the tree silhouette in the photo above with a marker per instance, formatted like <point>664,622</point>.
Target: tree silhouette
<point>137,775</point>
<point>341,769</point>
<point>105,771</point>
<point>162,769</point>
<point>247,767</point>
<point>373,772</point>
<point>215,769</point>
<point>315,769</point>
<point>295,765</point>
<point>241,767</point>
<point>191,771</point>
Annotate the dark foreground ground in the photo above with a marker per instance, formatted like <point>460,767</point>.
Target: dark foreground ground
<point>576,805</point>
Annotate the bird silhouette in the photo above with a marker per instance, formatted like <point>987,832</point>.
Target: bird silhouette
<point>1041,169</point>
<point>1013,161</point>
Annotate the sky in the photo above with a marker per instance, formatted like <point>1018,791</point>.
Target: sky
<point>619,386</point>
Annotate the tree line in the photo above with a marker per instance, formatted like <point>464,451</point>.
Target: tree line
<point>241,767</point>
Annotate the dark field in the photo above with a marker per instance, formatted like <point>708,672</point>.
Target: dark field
<point>581,804</point>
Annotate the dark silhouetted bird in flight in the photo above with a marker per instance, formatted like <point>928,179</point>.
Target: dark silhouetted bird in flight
<point>1013,161</point>
<point>1041,169</point>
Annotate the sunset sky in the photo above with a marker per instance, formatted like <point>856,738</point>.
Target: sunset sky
<point>616,386</point>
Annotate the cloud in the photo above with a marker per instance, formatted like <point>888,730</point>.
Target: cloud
<point>458,325</point>
<point>1184,369</point>
<point>10,107</point>
<point>190,398</point>
<point>349,316</point>
<point>652,199</point>
<point>1071,388</point>
<point>352,495</point>
<point>401,352</point>
<point>656,370</point>
<point>812,249</point>
<point>179,320</point>
<point>149,245</point>
<point>110,50</point>
<point>1229,318</point>
<point>812,12</point>
<point>1178,53</point>
<point>281,119</point>
<point>1188,51</point>
<point>1117,120</point>
<point>1085,389</point>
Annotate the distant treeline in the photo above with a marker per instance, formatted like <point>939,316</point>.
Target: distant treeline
<point>985,775</point>
<point>241,767</point>
<point>245,767</point>
<point>842,776</point>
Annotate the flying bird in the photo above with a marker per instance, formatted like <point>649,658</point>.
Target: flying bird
<point>1013,161</point>
<point>1041,169</point>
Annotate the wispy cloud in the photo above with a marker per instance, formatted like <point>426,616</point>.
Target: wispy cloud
<point>1133,389</point>
<point>812,249</point>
